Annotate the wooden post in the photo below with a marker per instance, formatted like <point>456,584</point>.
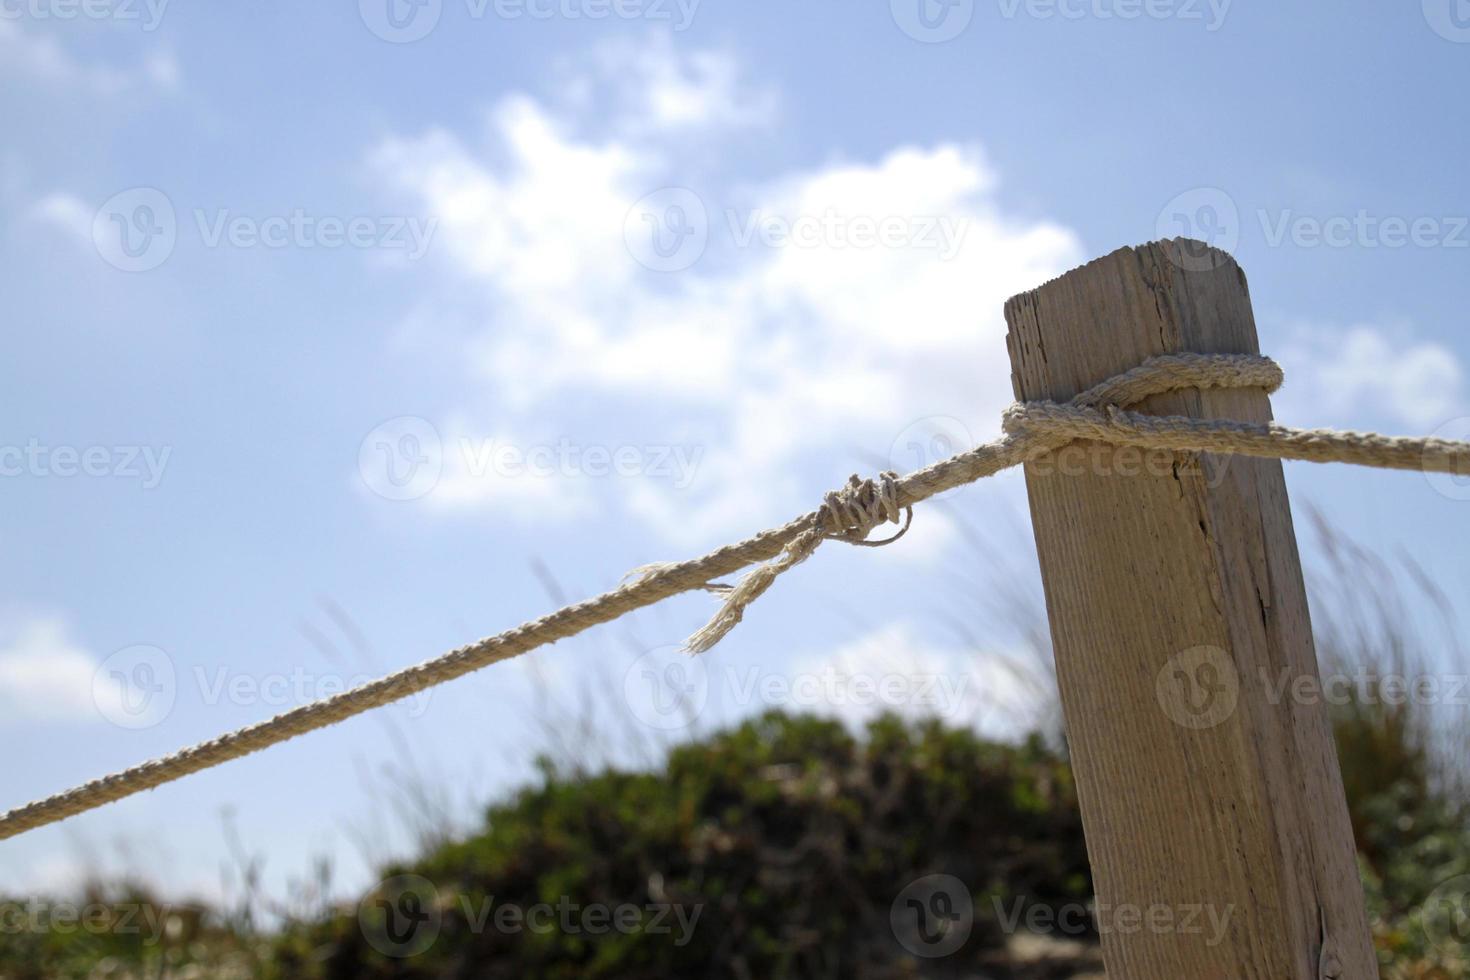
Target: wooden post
<point>1213,803</point>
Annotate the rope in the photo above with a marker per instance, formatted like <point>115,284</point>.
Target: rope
<point>848,515</point>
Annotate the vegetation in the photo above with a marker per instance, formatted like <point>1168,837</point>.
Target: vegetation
<point>789,846</point>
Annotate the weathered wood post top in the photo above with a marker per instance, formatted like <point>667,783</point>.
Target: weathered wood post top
<point>1216,823</point>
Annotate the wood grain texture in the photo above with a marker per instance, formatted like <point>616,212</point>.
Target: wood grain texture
<point>1177,609</point>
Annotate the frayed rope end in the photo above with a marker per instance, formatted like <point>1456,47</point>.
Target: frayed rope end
<point>848,514</point>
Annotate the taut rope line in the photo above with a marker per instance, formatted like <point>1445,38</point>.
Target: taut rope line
<point>848,515</point>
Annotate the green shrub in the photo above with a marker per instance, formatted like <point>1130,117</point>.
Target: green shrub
<point>789,836</point>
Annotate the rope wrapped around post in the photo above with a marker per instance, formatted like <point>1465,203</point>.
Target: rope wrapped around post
<point>848,514</point>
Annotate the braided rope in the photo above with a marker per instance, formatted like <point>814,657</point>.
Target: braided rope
<point>848,515</point>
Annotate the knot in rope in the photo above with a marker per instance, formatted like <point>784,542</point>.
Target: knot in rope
<point>1051,424</point>
<point>851,512</point>
<point>1100,412</point>
<point>848,514</point>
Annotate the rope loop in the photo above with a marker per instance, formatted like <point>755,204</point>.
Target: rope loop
<point>851,512</point>
<point>848,514</point>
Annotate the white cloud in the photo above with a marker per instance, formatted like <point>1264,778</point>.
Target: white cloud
<point>525,477</point>
<point>892,669</point>
<point>42,58</point>
<point>782,359</point>
<point>658,89</point>
<point>66,212</point>
<point>1364,371</point>
<point>44,675</point>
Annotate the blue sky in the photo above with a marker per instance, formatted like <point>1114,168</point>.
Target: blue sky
<point>336,339</point>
